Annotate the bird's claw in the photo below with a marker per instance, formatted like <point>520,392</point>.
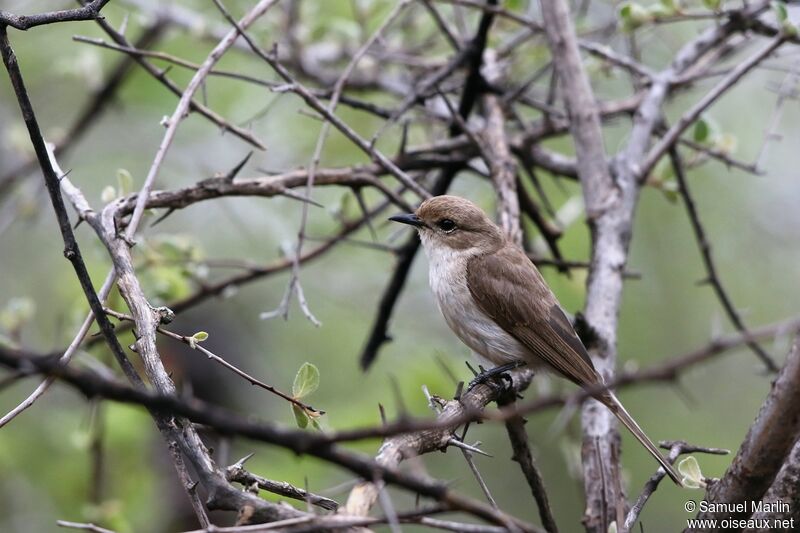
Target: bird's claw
<point>495,377</point>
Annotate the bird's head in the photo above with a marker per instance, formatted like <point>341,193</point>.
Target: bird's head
<point>453,222</point>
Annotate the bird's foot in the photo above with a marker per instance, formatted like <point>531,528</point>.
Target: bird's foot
<point>494,377</point>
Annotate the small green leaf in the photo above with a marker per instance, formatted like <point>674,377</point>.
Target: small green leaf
<point>197,338</point>
<point>300,417</point>
<point>306,381</point>
<point>109,194</point>
<point>670,190</point>
<point>705,130</point>
<point>712,4</point>
<point>690,470</point>
<point>780,11</point>
<point>701,131</point>
<point>124,181</point>
<point>633,15</point>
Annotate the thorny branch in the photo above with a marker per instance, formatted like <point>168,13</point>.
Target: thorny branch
<point>705,251</point>
<point>516,119</point>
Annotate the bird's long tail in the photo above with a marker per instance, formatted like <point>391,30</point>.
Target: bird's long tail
<point>611,401</point>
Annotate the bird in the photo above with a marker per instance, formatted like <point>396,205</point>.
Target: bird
<point>496,301</point>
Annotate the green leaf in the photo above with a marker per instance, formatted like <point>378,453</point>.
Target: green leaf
<point>780,11</point>
<point>109,194</point>
<point>306,381</point>
<point>712,4</point>
<point>701,131</point>
<point>198,337</point>
<point>300,417</point>
<point>633,15</point>
<point>690,470</point>
<point>670,190</point>
<point>705,130</point>
<point>124,181</point>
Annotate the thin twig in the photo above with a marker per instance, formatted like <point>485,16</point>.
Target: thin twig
<point>515,427</point>
<point>705,250</point>
<point>294,283</point>
<point>90,11</point>
<point>84,526</point>
<point>299,89</point>
<point>690,116</point>
<point>236,472</point>
<point>92,110</point>
<point>161,77</point>
<point>676,449</point>
<point>195,345</point>
<point>473,87</point>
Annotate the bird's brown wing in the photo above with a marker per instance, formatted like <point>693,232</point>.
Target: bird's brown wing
<point>508,288</point>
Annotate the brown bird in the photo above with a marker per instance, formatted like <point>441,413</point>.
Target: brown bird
<point>496,301</point>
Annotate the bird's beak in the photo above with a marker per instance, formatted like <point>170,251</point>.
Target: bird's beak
<point>411,219</point>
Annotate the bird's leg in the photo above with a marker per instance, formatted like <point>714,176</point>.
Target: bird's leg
<point>490,377</point>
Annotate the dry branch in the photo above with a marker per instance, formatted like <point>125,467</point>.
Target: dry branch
<point>768,443</point>
<point>609,209</point>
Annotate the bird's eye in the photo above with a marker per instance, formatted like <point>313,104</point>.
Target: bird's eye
<point>446,225</point>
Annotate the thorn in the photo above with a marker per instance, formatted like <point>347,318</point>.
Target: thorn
<point>240,463</point>
<point>459,390</point>
<point>401,405</point>
<point>64,175</point>
<point>289,193</point>
<point>162,217</point>
<point>365,211</point>
<point>401,151</point>
<point>453,441</point>
<point>235,170</point>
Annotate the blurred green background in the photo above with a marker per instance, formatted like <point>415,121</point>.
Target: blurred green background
<point>45,454</point>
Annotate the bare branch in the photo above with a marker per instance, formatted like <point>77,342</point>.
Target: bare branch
<point>768,442</point>
<point>473,87</point>
<point>705,251</point>
<point>780,502</point>
<point>161,76</point>
<point>676,449</point>
<point>609,209</point>
<point>301,442</point>
<point>237,473</point>
<point>90,11</point>
<point>515,427</point>
<point>690,116</point>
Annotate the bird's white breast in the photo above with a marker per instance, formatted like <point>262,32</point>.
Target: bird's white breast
<point>448,280</point>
